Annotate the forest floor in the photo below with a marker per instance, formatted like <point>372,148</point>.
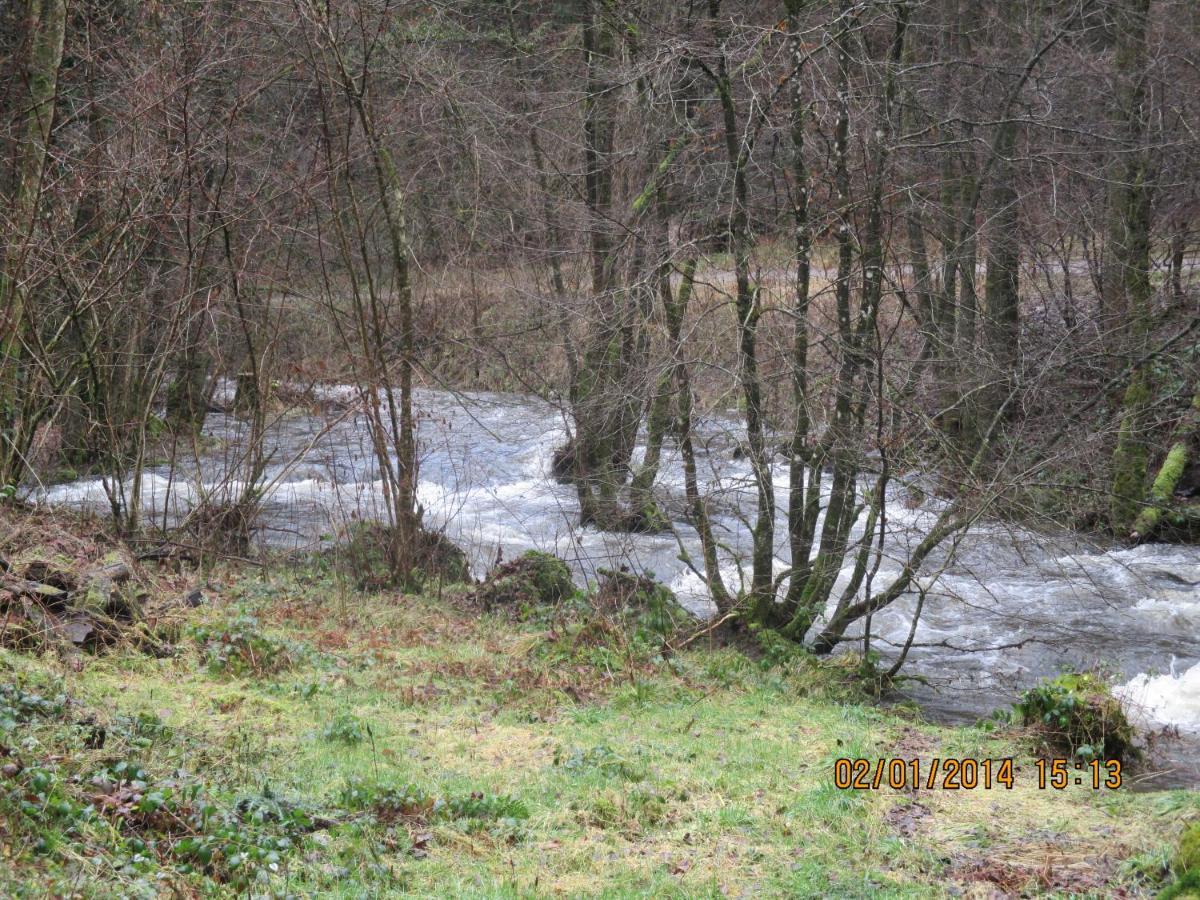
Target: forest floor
<point>308,739</point>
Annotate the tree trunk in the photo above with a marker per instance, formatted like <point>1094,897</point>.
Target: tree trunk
<point>554,248</point>
<point>607,408</point>
<point>652,270</point>
<point>45,23</point>
<point>801,517</point>
<point>1126,276</point>
<point>402,422</point>
<point>187,394</point>
<point>747,308</point>
<point>645,514</point>
<point>676,312</point>
<point>811,598</point>
<point>392,421</point>
<point>1178,252</point>
<point>1002,281</point>
<point>850,396</point>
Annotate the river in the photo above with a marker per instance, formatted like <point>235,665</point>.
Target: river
<point>1010,607</point>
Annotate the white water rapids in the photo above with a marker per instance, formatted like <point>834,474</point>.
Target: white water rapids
<point>1009,607</point>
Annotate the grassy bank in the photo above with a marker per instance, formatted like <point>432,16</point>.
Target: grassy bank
<point>306,739</point>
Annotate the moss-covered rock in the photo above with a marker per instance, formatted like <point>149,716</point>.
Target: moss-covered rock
<point>534,578</point>
<point>85,600</point>
<point>1077,713</point>
<point>53,569</point>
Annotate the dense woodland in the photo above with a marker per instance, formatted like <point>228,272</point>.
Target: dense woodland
<point>943,236</point>
<point>872,325</point>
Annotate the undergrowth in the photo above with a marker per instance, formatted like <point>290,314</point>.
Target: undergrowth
<point>309,741</point>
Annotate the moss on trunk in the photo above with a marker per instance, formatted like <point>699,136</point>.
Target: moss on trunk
<point>1162,491</point>
<point>1129,459</point>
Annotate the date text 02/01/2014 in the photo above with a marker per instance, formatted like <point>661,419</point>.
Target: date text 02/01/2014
<point>970,774</point>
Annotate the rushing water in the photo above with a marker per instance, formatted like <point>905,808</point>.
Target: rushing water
<point>1007,608</point>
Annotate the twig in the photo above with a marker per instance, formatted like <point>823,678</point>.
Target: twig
<point>708,628</point>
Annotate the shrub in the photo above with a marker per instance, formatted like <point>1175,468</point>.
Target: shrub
<point>148,825</point>
<point>122,772</point>
<point>345,728</point>
<point>1077,713</point>
<point>266,809</point>
<point>390,803</point>
<point>532,579</point>
<point>238,647</point>
<point>601,759</point>
<point>650,605</point>
<point>1187,887</point>
<point>631,813</point>
<point>239,846</point>
<point>231,852</point>
<point>18,706</point>
<point>42,796</point>
<point>142,730</point>
<point>480,807</point>
<point>776,650</point>
<point>1185,865</point>
<point>387,802</point>
<point>373,558</point>
<point>1187,857</point>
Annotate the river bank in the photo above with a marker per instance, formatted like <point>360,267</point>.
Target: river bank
<point>306,738</point>
<point>1009,607</point>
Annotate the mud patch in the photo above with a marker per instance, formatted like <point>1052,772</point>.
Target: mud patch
<point>907,818</point>
<point>1052,872</point>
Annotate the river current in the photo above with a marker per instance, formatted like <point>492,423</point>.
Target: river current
<point>1009,607</point>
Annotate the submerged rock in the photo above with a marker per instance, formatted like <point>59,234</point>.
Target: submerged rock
<point>562,464</point>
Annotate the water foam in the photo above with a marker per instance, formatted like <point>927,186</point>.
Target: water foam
<point>1170,699</point>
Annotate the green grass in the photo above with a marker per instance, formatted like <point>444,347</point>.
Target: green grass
<point>397,746</point>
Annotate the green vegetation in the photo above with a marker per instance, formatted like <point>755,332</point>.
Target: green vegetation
<point>1186,866</point>
<point>235,646</point>
<point>376,557</point>
<point>306,741</point>
<point>1077,714</point>
<point>1187,857</point>
<point>644,607</point>
<point>532,579</point>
